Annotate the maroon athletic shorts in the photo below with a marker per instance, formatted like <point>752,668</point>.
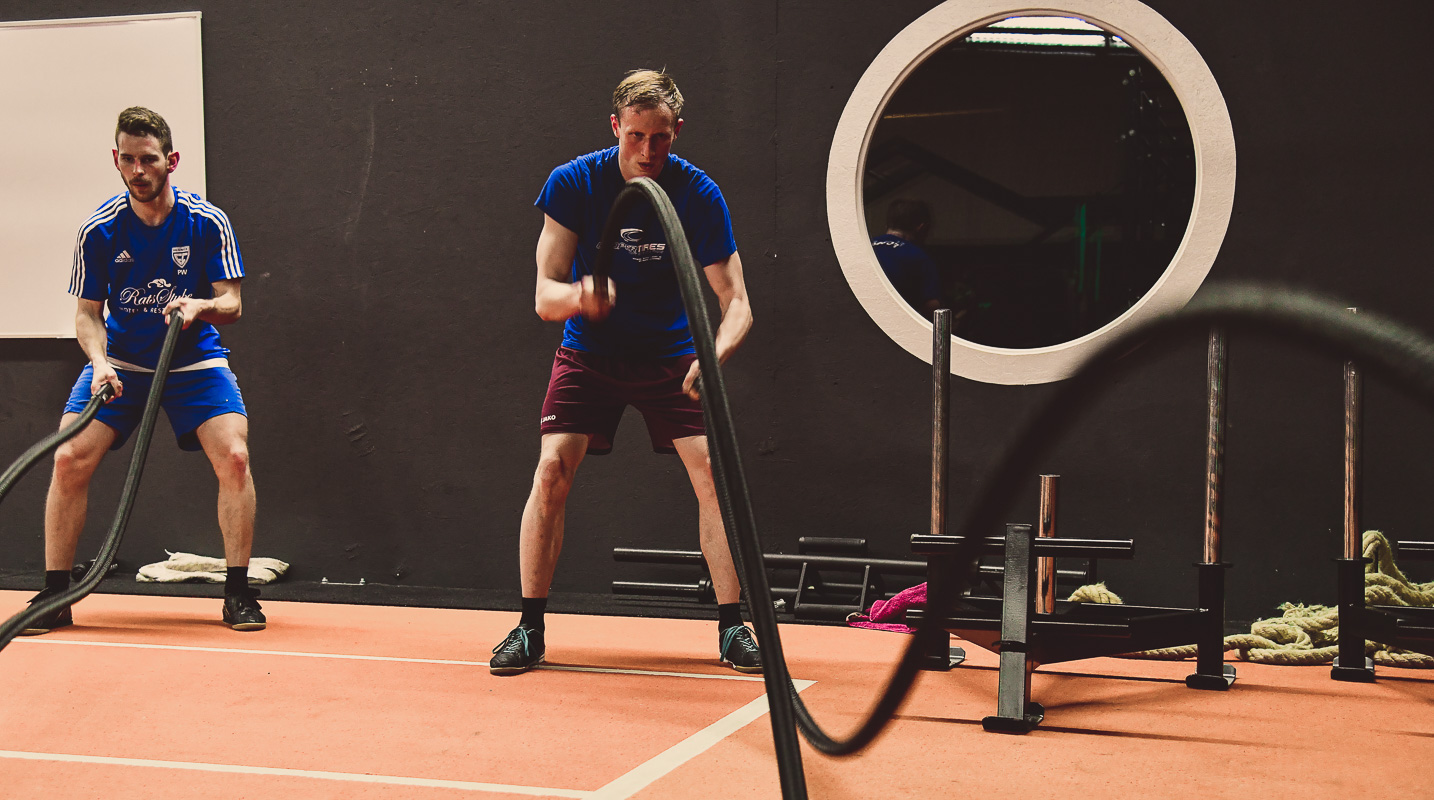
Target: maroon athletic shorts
<point>587,394</point>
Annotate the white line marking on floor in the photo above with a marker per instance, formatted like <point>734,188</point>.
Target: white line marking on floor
<point>351,777</point>
<point>399,659</point>
<point>616,671</point>
<point>673,757</point>
<point>621,788</point>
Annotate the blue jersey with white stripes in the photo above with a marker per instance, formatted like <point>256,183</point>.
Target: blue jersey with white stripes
<point>136,270</point>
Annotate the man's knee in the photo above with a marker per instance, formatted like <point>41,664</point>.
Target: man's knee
<point>554,476</point>
<point>699,471</point>
<point>231,463</point>
<point>74,465</point>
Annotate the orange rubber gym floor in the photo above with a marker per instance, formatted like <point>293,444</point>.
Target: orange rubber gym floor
<point>153,697</point>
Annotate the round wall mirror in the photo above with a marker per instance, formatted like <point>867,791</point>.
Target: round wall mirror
<point>1049,175</point>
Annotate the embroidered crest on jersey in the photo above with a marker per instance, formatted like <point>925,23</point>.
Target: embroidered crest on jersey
<point>181,256</point>
<point>124,258</point>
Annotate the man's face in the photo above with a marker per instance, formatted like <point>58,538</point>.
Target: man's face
<point>143,166</point>
<point>644,138</point>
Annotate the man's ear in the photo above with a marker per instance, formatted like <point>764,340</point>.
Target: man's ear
<point>173,159</point>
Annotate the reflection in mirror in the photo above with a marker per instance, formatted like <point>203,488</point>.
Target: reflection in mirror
<point>1036,176</point>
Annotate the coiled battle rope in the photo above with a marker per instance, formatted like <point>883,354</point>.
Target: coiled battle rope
<point>1306,635</point>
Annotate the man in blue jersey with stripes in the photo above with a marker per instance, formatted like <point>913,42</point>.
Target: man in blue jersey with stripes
<point>634,349</point>
<point>145,253</point>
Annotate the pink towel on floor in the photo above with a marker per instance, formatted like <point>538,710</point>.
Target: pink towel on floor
<point>879,617</point>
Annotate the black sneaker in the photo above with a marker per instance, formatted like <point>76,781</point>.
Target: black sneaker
<point>241,612</point>
<point>738,649</point>
<point>58,618</point>
<point>520,652</point>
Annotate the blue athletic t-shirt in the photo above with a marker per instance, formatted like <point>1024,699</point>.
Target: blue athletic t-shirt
<point>137,270</point>
<point>911,271</point>
<point>648,320</point>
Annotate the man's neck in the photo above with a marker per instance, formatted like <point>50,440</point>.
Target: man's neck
<point>155,211</point>
<point>900,234</point>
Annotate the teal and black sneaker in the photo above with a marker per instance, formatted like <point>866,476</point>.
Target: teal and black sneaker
<point>520,652</point>
<point>738,649</point>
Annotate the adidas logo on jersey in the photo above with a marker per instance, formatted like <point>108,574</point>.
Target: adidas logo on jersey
<point>124,258</point>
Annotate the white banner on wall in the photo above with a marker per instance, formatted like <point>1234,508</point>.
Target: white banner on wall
<point>62,85</point>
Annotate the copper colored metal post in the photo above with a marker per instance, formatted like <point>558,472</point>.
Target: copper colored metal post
<point>940,415</point>
<point>1353,433</point>
<point>1046,565</point>
<point>1215,444</point>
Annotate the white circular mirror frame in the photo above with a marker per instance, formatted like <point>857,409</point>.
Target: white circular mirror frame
<point>1145,30</point>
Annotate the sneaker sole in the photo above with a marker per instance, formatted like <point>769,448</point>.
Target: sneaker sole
<point>747,670</point>
<point>515,670</point>
<point>42,631</point>
<point>249,626</point>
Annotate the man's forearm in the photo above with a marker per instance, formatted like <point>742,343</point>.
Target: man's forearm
<point>557,301</point>
<point>736,322</point>
<point>90,333</point>
<point>222,310</point>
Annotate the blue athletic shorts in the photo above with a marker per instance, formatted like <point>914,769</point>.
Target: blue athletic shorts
<point>189,399</point>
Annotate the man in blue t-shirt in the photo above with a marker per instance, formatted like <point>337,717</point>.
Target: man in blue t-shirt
<point>911,271</point>
<point>145,253</point>
<point>632,349</point>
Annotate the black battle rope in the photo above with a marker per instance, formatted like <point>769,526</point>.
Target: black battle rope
<point>1399,354</point>
<point>111,544</point>
<point>52,442</point>
<point>726,468</point>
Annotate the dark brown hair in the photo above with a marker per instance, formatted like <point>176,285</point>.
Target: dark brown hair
<point>140,121</point>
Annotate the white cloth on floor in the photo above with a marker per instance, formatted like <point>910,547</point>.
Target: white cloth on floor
<point>181,567</point>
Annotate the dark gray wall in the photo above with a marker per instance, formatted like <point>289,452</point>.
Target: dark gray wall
<point>379,163</point>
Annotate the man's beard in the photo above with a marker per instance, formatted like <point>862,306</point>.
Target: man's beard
<point>154,190</point>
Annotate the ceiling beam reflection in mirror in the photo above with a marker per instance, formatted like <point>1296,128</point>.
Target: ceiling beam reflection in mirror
<point>1075,28</point>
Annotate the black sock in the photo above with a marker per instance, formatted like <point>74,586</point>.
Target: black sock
<point>57,580</point>
<point>533,608</point>
<point>728,614</point>
<point>236,580</point>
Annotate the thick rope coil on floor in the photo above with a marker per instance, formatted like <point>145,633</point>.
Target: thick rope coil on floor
<point>1308,635</point>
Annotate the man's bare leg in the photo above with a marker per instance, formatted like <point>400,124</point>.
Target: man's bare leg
<point>69,497</point>
<point>65,509</point>
<point>540,538</point>
<point>711,534</point>
<point>736,647</point>
<point>540,541</point>
<point>225,440</point>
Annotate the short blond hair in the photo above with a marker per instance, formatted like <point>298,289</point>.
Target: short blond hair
<point>647,88</point>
